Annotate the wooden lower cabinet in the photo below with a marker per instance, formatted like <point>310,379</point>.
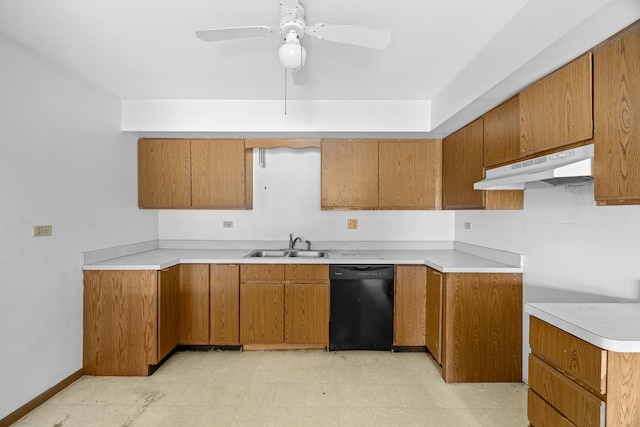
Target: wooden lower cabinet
<point>409,305</point>
<point>284,305</point>
<point>168,294</point>
<point>224,304</point>
<point>433,324</point>
<point>575,383</point>
<point>482,327</point>
<point>127,320</point>
<point>194,304</point>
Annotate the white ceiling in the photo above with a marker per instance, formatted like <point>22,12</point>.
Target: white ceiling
<point>146,49</point>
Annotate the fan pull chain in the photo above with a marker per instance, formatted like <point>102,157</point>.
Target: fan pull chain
<point>285,92</point>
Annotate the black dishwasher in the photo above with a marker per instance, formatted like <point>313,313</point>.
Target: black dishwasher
<point>361,310</point>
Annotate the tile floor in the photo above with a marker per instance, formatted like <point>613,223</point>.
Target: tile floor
<point>286,388</point>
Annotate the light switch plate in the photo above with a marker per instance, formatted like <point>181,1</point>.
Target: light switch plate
<point>352,224</point>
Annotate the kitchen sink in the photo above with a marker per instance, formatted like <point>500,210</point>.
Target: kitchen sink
<point>267,253</point>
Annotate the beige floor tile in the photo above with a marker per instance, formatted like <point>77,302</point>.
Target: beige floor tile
<point>356,417</point>
<point>321,395</point>
<point>352,396</point>
<point>296,388</point>
<point>321,417</point>
<point>290,395</point>
<point>171,416</point>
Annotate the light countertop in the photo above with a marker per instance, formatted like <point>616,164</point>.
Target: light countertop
<point>610,326</point>
<point>446,261</point>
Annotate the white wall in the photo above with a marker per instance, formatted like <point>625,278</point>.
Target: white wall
<point>63,162</point>
<point>574,250</point>
<point>287,200</point>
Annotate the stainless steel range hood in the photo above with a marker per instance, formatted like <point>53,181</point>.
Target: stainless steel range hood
<point>564,167</point>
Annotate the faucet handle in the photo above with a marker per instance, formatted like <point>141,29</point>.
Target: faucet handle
<point>308,245</point>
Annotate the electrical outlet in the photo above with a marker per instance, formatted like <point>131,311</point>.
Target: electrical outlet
<point>227,224</point>
<point>42,230</point>
<point>352,224</point>
<point>467,226</point>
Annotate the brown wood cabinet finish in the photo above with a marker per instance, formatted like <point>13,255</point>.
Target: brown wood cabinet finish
<point>349,174</point>
<point>575,403</point>
<point>580,360</point>
<point>557,110</point>
<point>544,415</point>
<point>194,304</point>
<point>120,322</point>
<point>482,327</point>
<point>617,119</point>
<point>164,173</point>
<point>410,175</point>
<point>218,174</point>
<point>225,304</point>
<point>306,313</point>
<point>433,327</point>
<point>576,375</point>
<point>462,166</point>
<point>168,295</point>
<point>409,317</point>
<point>262,313</point>
<point>502,133</point>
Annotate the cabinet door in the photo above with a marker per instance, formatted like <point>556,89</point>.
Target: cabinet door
<point>225,304</point>
<point>433,327</point>
<point>617,119</point>
<point>306,313</point>
<point>194,304</point>
<point>349,174</point>
<point>410,174</point>
<point>482,327</point>
<point>502,133</point>
<point>409,305</point>
<point>462,163</point>
<point>557,110</point>
<point>262,313</point>
<point>218,173</point>
<point>120,313</point>
<point>168,295</point>
<point>164,179</point>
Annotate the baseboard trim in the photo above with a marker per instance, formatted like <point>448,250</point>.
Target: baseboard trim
<point>39,400</point>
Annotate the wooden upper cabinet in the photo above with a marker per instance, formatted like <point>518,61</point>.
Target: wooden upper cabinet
<point>617,119</point>
<point>200,173</point>
<point>410,174</point>
<point>557,110</point>
<point>462,163</point>
<point>502,133</point>
<point>218,173</point>
<point>349,174</point>
<point>164,178</point>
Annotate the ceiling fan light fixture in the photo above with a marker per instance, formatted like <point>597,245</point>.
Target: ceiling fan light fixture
<point>292,55</point>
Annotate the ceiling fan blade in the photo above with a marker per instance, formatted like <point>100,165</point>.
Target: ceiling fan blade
<point>289,4</point>
<point>301,76</point>
<point>234,33</point>
<point>289,9</point>
<point>351,34</point>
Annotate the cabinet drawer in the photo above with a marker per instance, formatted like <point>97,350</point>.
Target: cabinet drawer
<point>301,273</point>
<point>578,359</point>
<point>261,273</point>
<point>541,414</point>
<point>578,405</point>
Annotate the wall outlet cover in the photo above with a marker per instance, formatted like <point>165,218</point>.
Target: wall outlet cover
<point>352,224</point>
<point>42,230</point>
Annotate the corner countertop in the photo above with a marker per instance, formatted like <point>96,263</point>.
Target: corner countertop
<point>446,261</point>
<point>610,326</point>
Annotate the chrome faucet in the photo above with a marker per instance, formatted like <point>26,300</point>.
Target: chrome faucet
<point>292,241</point>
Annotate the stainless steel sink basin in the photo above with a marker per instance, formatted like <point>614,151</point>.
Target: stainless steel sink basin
<point>308,254</point>
<point>268,253</point>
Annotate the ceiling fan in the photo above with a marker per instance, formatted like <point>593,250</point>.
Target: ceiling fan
<point>293,28</point>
